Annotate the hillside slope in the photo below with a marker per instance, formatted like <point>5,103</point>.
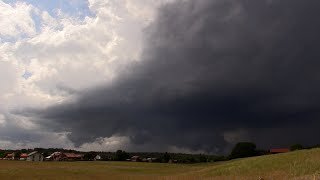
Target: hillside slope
<point>304,164</point>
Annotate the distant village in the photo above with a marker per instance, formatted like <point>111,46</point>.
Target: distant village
<point>37,156</point>
<point>64,156</point>
<point>245,149</point>
<point>71,155</point>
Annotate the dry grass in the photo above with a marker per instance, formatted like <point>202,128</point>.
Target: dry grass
<point>300,165</point>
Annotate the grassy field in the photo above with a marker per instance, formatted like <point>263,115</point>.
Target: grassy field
<point>299,165</point>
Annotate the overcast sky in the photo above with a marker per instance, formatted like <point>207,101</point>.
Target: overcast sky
<point>159,75</point>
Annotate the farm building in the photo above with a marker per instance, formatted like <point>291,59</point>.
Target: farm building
<point>54,156</point>
<point>59,156</point>
<point>35,156</point>
<point>71,157</point>
<point>276,151</point>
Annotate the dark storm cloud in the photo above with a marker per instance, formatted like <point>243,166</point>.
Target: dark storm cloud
<point>211,67</point>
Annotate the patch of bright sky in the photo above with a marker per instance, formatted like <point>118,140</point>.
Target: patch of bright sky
<point>27,75</point>
<point>78,9</point>
<point>75,8</point>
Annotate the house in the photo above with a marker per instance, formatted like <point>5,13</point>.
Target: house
<point>10,156</point>
<point>23,156</point>
<point>151,159</point>
<point>135,159</point>
<point>71,157</point>
<point>59,156</point>
<point>54,156</point>
<point>276,151</point>
<point>98,157</point>
<point>35,156</point>
<point>103,157</point>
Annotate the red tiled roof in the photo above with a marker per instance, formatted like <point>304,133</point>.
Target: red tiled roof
<point>72,155</point>
<point>23,155</point>
<point>10,155</point>
<point>279,150</point>
<point>56,154</point>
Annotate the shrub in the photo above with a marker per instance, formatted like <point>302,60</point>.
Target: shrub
<point>243,149</point>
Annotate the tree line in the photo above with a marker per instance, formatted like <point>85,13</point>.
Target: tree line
<point>240,150</point>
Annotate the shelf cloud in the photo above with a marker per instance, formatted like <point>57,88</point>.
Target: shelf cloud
<point>210,74</point>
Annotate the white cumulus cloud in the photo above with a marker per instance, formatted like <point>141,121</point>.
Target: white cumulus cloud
<point>16,20</point>
<point>47,60</point>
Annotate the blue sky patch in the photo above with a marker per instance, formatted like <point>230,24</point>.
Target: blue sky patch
<point>76,8</point>
<point>27,75</point>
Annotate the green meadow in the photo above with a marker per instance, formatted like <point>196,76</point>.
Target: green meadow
<point>298,165</point>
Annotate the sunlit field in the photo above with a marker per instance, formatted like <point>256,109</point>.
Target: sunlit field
<point>299,165</point>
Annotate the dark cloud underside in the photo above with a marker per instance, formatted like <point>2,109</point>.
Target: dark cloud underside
<point>211,67</point>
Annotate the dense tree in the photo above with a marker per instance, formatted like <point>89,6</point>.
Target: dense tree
<point>17,155</point>
<point>296,147</point>
<point>121,155</point>
<point>166,157</point>
<point>243,149</point>
<point>3,154</point>
<point>203,158</point>
<point>89,155</point>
